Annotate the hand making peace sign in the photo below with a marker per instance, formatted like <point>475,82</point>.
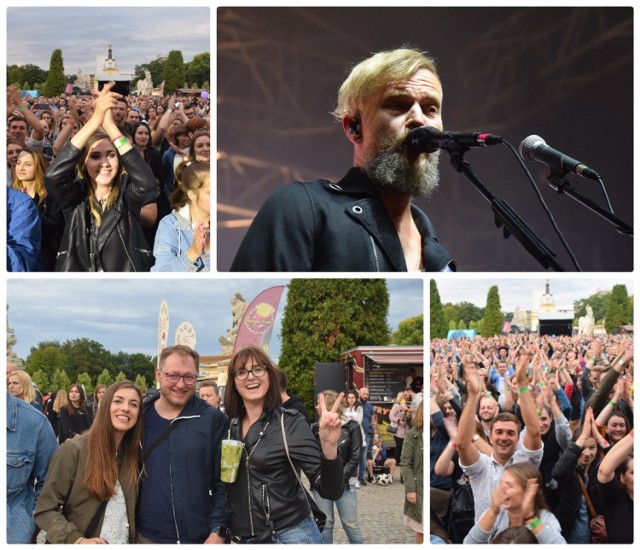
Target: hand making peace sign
<point>330,426</point>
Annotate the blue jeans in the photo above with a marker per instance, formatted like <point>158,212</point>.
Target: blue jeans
<point>347,506</point>
<point>305,532</point>
<point>366,448</point>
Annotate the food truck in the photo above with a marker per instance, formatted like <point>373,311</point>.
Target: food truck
<point>385,370</point>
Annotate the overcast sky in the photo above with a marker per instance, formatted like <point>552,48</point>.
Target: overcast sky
<point>523,292</point>
<point>122,314</point>
<point>138,35</point>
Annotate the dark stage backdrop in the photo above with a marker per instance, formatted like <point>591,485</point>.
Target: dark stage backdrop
<point>564,74</point>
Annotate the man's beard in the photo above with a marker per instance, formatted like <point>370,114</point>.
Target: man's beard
<point>391,170</point>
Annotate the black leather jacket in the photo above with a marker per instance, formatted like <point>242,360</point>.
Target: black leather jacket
<point>349,446</point>
<point>266,493</point>
<point>324,226</point>
<point>119,243</point>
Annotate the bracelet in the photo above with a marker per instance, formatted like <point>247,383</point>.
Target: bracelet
<point>612,403</point>
<point>452,444</point>
<point>593,358</point>
<point>119,142</point>
<point>524,389</point>
<point>620,362</point>
<point>22,107</point>
<point>78,541</point>
<point>475,438</point>
<point>534,523</point>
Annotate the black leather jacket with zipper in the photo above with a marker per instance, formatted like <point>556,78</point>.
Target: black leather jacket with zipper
<point>119,243</point>
<point>266,494</point>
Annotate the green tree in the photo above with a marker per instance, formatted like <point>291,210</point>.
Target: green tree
<point>42,380</point>
<point>56,80</point>
<point>493,318</point>
<point>198,70</point>
<point>141,382</point>
<point>60,380</point>
<point>85,355</point>
<point>26,85</point>
<point>174,72</point>
<point>323,318</point>
<point>33,73</point>
<point>85,381</point>
<point>132,364</point>
<point>14,74</point>
<point>438,325</point>
<point>617,309</point>
<point>105,378</point>
<point>120,377</point>
<point>410,332</point>
<point>452,325</point>
<point>462,325</point>
<point>47,357</point>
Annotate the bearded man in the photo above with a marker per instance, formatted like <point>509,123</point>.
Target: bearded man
<point>367,221</point>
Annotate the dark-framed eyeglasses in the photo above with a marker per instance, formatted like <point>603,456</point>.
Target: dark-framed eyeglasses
<point>189,379</point>
<point>258,371</point>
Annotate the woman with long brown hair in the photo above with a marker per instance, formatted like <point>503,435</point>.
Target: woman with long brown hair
<point>90,492</point>
<point>102,184</point>
<point>75,417</point>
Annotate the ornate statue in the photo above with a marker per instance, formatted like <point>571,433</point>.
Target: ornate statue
<point>238,306</point>
<point>586,324</point>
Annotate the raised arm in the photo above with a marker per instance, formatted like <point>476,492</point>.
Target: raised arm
<point>532,439</point>
<point>614,458</point>
<point>466,426</point>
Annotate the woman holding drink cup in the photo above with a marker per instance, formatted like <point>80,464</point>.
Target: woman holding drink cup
<point>267,502</point>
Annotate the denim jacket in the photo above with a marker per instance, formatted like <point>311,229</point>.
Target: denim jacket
<point>173,238</point>
<point>30,444</point>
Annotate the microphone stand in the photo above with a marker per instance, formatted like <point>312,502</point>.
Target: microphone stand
<point>505,215</point>
<point>561,185</point>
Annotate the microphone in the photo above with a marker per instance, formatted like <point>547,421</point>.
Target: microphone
<point>535,149</point>
<point>427,140</point>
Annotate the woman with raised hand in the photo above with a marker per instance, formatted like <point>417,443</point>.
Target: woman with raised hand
<point>517,501</point>
<point>267,502</point>
<point>89,495</point>
<point>183,240</point>
<point>101,202</point>
<point>350,445</point>
<point>615,487</point>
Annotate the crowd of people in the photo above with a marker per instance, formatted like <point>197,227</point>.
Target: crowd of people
<point>108,183</point>
<point>152,468</point>
<point>532,439</point>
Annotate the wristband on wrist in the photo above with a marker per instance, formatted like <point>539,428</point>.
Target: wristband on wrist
<point>78,541</point>
<point>22,107</point>
<point>631,432</point>
<point>605,444</point>
<point>620,362</point>
<point>612,403</point>
<point>593,358</point>
<point>452,444</point>
<point>475,438</point>
<point>535,522</point>
<point>524,389</point>
<point>120,141</point>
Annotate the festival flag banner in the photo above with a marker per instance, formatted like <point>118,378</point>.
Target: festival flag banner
<point>506,327</point>
<point>258,320</point>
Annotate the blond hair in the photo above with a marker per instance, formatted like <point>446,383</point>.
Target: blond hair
<point>28,393</point>
<point>376,73</point>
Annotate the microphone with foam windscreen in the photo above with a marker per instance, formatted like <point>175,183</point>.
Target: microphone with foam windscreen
<point>535,149</point>
<point>428,140</point>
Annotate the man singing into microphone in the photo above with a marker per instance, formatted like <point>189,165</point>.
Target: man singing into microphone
<point>366,221</point>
